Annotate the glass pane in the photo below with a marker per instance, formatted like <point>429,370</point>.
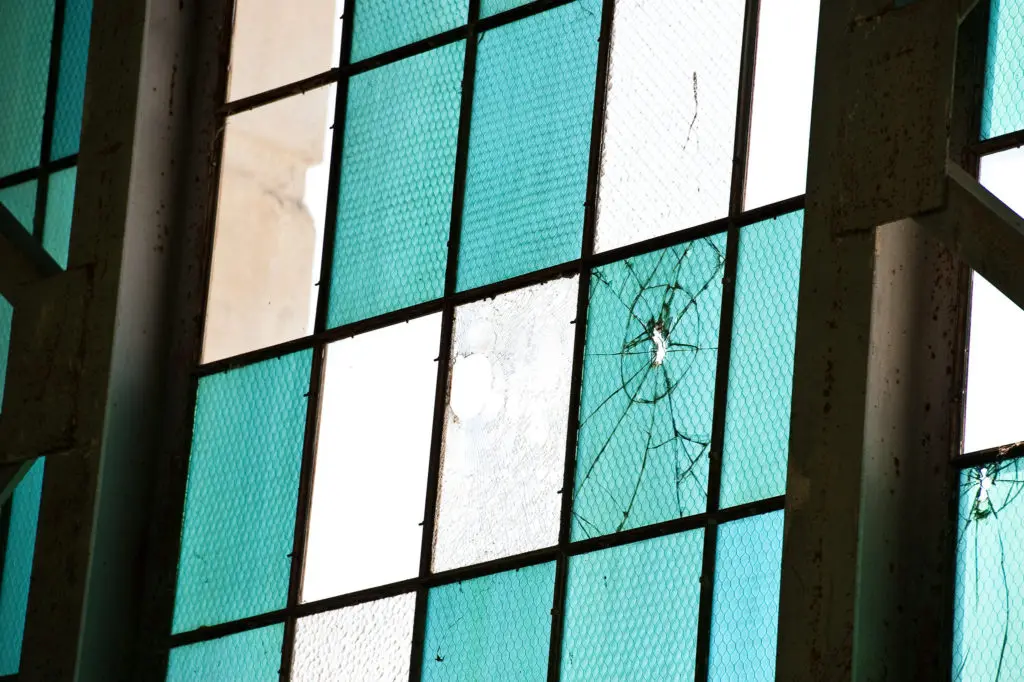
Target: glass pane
<point>6,320</point>
<point>761,362</point>
<point>648,388</point>
<point>20,200</point>
<point>383,25</point>
<point>988,620</point>
<point>366,643</point>
<point>631,611</point>
<point>253,656</point>
<point>376,414</point>
<point>74,56</point>
<point>243,480</point>
<point>493,628</point>
<point>25,35</point>
<point>17,566</point>
<point>783,82</point>
<point>504,438</point>
<point>270,219</point>
<point>670,117</point>
<point>60,206</point>
<point>529,148</point>
<point>277,43</point>
<point>395,202</point>
<point>491,7</point>
<point>1003,106</point>
<point>748,573</point>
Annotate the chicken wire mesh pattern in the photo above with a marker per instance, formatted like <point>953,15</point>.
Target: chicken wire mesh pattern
<point>648,388</point>
<point>253,656</point>
<point>760,394</point>
<point>236,539</point>
<point>20,201</point>
<point>17,566</point>
<point>745,612</point>
<point>1003,103</point>
<point>631,611</point>
<point>25,36</point>
<point>74,55</point>
<point>529,144</point>
<point>366,643</point>
<point>396,185</point>
<point>383,25</point>
<point>491,629</point>
<point>6,320</point>
<point>491,7</point>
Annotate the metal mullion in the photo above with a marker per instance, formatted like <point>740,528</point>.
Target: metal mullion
<point>35,172</point>
<point>49,113</point>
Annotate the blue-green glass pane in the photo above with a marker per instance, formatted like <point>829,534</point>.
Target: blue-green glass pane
<point>383,25</point>
<point>631,611</point>
<point>489,7</point>
<point>745,614</point>
<point>26,31</point>
<point>493,628</point>
<point>529,144</point>
<point>988,620</point>
<point>6,320</point>
<point>60,205</point>
<point>17,566</point>
<point>252,656</point>
<point>243,482</point>
<point>761,362</point>
<point>20,200</point>
<point>648,388</point>
<point>1003,105</point>
<point>395,202</point>
<point>74,55</point>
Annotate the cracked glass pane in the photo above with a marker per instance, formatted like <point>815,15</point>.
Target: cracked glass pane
<point>493,628</point>
<point>369,491</point>
<point>74,56</point>
<point>384,25</point>
<point>1002,108</point>
<point>505,427</point>
<point>252,656</point>
<point>20,200</point>
<point>25,36</point>
<point>988,630</point>
<point>369,642</point>
<point>648,388</point>
<point>666,162</point>
<point>17,566</point>
<point>6,320</point>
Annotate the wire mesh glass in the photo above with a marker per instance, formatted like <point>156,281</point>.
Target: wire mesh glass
<point>1002,108</point>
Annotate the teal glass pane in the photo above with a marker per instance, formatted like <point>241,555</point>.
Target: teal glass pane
<point>26,32</point>
<point>493,628</point>
<point>6,320</point>
<point>648,388</point>
<point>395,201</point>
<point>20,200</point>
<point>60,205</point>
<point>988,619</point>
<point>631,611</point>
<point>383,25</point>
<point>529,144</point>
<point>252,656</point>
<point>745,611</point>
<point>74,56</point>
<point>490,7</point>
<point>1002,108</point>
<point>761,362</point>
<point>243,480</point>
<point>17,566</point>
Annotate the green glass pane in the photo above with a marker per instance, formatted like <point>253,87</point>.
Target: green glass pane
<point>631,611</point>
<point>26,31</point>
<point>383,25</point>
<point>489,7</point>
<point>60,205</point>
<point>6,320</point>
<point>395,201</point>
<point>243,479</point>
<point>20,200</point>
<point>761,363</point>
<point>648,388</point>
<point>988,619</point>
<point>745,620</point>
<point>493,628</point>
<point>1003,104</point>
<point>252,656</point>
<point>17,566</point>
<point>74,55</point>
<point>529,144</point>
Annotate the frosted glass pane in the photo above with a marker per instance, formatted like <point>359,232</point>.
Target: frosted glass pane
<point>366,643</point>
<point>491,629</point>
<point>673,77</point>
<point>383,25</point>
<point>253,656</point>
<point>529,144</point>
<point>1003,105</point>
<point>243,481</point>
<point>505,426</point>
<point>783,83</point>
<point>372,454</point>
<point>491,7</point>
<point>74,57</point>
<point>6,320</point>
<point>17,566</point>
<point>20,200</point>
<point>60,206</point>
<point>631,611</point>
<point>648,388</point>
<point>25,36</point>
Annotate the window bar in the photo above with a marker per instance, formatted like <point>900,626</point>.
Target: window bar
<point>49,113</point>
<point>46,169</point>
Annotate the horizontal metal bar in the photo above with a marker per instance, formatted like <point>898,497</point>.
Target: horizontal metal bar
<point>275,94</point>
<point>39,171</point>
<point>999,144</point>
<point>989,455</point>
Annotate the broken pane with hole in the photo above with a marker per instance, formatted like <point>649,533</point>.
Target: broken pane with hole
<point>505,426</point>
<point>369,484</point>
<point>253,656</point>
<point>648,388</point>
